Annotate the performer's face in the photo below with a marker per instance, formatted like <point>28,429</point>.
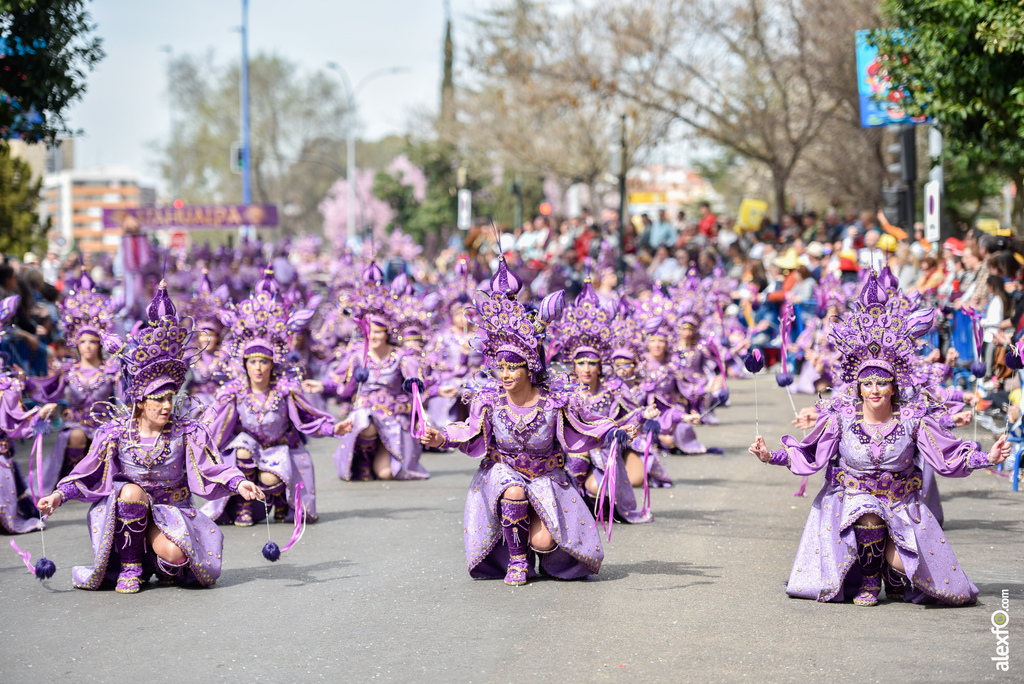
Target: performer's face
<point>459,320</point>
<point>877,393</point>
<point>414,343</point>
<point>258,369</point>
<point>686,335</point>
<point>157,410</point>
<point>624,368</point>
<point>208,340</point>
<point>587,370</point>
<point>513,378</point>
<point>378,337</point>
<point>656,346</point>
<point>89,348</point>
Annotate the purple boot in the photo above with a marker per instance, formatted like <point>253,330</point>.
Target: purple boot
<point>515,523</point>
<point>277,498</point>
<point>895,583</point>
<point>365,449</point>
<point>129,535</point>
<point>871,552</point>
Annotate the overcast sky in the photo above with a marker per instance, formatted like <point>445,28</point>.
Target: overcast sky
<point>126,107</point>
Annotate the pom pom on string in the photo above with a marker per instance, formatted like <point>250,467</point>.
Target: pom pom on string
<point>754,361</point>
<point>45,569</point>
<point>1014,361</point>
<point>722,397</point>
<point>271,551</point>
<point>651,427</point>
<point>784,378</point>
<point>409,382</point>
<point>978,369</point>
<point>360,375</point>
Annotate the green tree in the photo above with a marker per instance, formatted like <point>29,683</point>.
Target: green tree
<point>962,63</point>
<point>47,47</point>
<point>20,231</point>
<point>297,129</point>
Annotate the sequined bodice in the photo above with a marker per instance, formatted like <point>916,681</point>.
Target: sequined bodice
<point>531,432</point>
<point>83,392</point>
<point>385,374</point>
<point>153,465</point>
<point>871,448</point>
<point>264,417</point>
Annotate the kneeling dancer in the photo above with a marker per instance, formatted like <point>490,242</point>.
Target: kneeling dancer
<point>143,468</point>
<point>522,430</point>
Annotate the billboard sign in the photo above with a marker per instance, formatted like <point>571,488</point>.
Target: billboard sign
<point>194,217</point>
<point>880,104</point>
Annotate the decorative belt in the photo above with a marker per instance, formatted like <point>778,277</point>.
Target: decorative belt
<point>893,486</point>
<point>167,495</point>
<point>397,408</point>
<point>531,465</point>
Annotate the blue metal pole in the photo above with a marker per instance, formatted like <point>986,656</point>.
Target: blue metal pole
<point>246,157</point>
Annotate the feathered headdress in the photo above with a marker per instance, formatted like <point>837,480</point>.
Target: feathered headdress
<point>506,328</point>
<point>876,333</point>
<point>86,312</point>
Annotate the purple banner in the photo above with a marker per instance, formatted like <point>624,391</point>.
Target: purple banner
<point>205,217</point>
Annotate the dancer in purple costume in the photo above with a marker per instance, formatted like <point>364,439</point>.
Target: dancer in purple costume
<point>214,365</point>
<point>522,431</point>
<point>584,336</point>
<point>144,466</point>
<point>86,386</point>
<point>261,421</point>
<point>452,356</point>
<point>869,520</point>
<point>379,387</point>
<point>627,351</point>
<point>660,383</point>
<point>17,514</point>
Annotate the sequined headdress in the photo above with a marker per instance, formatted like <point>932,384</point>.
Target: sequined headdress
<point>507,330</point>
<point>657,315</point>
<point>86,312</point>
<point>412,314</point>
<point>627,335</point>
<point>156,358</point>
<point>585,327</point>
<point>206,306</point>
<point>372,302</point>
<point>876,333</point>
<point>260,323</point>
<point>459,290</point>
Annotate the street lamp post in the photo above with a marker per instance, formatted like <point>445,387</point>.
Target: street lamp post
<point>246,152</point>
<point>350,137</point>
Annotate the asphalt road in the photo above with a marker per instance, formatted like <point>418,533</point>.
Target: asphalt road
<point>377,590</point>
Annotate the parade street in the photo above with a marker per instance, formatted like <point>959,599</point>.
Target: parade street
<point>377,590</point>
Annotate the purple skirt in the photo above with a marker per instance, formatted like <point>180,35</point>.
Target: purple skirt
<point>559,504</point>
<point>827,566</point>
<point>191,531</point>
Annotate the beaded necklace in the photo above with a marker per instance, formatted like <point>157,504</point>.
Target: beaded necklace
<point>154,455</point>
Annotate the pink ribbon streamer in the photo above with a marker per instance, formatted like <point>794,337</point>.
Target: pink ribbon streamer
<point>786,323</point>
<point>608,488</point>
<point>648,443</point>
<point>300,517</point>
<point>364,326</point>
<point>35,463</point>
<point>417,424</point>
<point>803,487</point>
<point>26,557</point>
<point>979,334</point>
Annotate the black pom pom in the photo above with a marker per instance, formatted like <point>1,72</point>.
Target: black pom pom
<point>271,551</point>
<point>651,427</point>
<point>361,374</point>
<point>45,569</point>
<point>409,382</point>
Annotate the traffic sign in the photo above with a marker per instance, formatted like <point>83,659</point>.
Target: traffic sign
<point>931,211</point>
